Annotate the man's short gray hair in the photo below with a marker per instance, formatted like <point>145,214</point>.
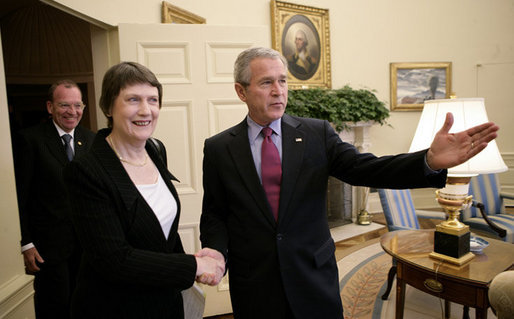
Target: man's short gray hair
<point>242,73</point>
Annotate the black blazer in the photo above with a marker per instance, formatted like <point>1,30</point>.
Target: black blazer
<point>292,261</point>
<point>128,269</point>
<point>42,197</point>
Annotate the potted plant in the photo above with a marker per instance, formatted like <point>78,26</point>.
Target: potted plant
<point>338,106</point>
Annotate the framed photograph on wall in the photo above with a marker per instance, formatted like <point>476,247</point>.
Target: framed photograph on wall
<point>301,34</point>
<point>414,83</point>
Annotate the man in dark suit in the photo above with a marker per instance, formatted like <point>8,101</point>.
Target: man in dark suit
<point>276,240</point>
<point>49,247</point>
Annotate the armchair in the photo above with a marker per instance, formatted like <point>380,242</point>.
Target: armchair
<point>400,214</point>
<point>487,214</point>
<point>501,294</point>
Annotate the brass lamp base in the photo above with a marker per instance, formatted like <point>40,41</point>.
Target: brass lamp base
<point>456,261</point>
<point>452,238</point>
<point>451,245</point>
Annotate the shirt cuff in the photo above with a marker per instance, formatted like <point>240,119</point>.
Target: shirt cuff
<point>27,247</point>
<point>428,170</point>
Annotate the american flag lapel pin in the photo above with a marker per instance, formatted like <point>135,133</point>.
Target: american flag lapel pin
<point>298,140</point>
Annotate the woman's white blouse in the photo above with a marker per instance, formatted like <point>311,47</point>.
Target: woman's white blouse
<point>162,202</point>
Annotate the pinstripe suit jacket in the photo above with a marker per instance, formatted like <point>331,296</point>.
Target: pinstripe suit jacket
<point>129,269</point>
<point>42,198</point>
<point>291,261</point>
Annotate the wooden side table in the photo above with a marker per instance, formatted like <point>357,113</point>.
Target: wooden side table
<point>466,285</point>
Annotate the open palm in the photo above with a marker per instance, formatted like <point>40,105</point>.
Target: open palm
<point>451,149</point>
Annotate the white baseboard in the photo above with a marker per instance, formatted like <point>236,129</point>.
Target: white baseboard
<point>17,298</point>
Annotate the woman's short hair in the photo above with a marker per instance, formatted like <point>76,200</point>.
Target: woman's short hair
<point>242,72</point>
<point>120,76</point>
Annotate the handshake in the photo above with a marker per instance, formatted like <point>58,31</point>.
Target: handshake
<point>210,266</point>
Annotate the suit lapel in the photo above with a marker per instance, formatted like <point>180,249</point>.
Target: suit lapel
<point>56,147</point>
<point>293,146</point>
<point>108,159</point>
<point>54,143</point>
<point>80,142</point>
<point>128,191</point>
<point>239,149</point>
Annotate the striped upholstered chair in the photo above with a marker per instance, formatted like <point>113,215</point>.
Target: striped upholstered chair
<point>399,210</point>
<point>400,214</point>
<point>487,215</point>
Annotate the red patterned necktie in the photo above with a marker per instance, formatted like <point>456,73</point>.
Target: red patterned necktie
<point>271,170</point>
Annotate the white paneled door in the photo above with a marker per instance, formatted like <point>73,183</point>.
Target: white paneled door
<point>194,63</point>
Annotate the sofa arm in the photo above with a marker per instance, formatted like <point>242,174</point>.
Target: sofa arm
<point>501,294</point>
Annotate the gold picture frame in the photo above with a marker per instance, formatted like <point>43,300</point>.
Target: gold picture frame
<point>414,83</point>
<point>292,23</point>
<point>174,14</point>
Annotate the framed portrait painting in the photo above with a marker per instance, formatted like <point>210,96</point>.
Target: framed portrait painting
<point>301,34</point>
<point>414,83</point>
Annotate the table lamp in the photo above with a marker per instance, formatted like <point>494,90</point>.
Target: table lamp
<point>452,238</point>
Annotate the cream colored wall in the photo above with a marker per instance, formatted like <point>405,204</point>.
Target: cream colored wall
<point>366,36</point>
<point>15,287</point>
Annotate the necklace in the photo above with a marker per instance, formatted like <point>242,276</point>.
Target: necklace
<point>125,160</point>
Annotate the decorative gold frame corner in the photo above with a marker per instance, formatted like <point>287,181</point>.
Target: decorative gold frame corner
<point>399,103</point>
<point>287,17</point>
<point>174,14</point>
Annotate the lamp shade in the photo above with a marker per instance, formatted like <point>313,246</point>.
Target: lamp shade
<point>467,112</point>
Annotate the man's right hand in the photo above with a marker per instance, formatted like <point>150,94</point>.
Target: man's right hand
<point>30,256</point>
<point>210,266</point>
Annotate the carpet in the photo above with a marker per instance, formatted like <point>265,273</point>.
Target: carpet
<point>362,274</point>
<point>363,280</point>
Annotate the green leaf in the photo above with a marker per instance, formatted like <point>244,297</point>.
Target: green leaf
<point>338,106</point>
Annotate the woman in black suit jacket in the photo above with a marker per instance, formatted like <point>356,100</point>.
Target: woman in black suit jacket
<point>126,211</point>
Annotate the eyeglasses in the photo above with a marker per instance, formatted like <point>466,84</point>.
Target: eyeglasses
<point>67,106</point>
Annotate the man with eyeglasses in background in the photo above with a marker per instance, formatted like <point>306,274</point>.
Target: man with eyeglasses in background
<point>50,249</point>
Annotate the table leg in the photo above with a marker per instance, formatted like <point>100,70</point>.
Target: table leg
<point>481,313</point>
<point>447,309</point>
<point>400,291</point>
<point>465,312</point>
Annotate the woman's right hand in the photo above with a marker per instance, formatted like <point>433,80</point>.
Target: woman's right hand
<point>210,266</point>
